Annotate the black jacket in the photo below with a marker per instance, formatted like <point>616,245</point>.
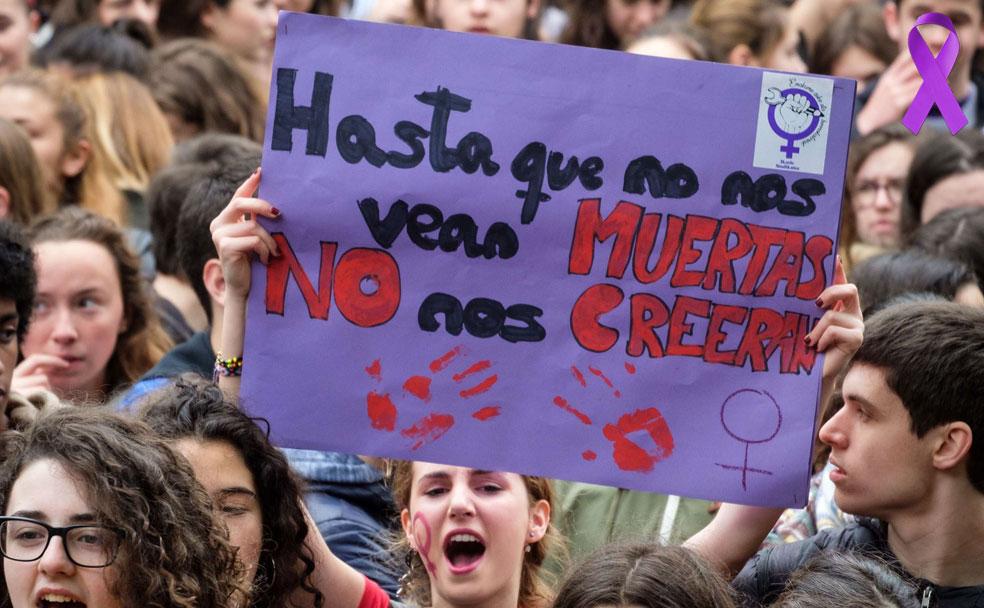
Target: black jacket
<point>764,576</point>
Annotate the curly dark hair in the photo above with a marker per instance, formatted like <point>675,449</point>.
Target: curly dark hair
<point>174,553</point>
<point>196,409</point>
<point>17,269</point>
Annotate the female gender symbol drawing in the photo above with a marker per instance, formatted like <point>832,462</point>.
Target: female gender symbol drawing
<point>799,116</point>
<point>750,416</point>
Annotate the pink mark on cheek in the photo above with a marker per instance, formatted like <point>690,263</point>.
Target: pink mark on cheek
<point>423,542</point>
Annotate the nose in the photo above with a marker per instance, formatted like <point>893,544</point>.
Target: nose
<point>64,331</point>
<point>479,7</point>
<point>646,13</point>
<point>271,15</point>
<point>832,432</point>
<point>935,36</point>
<point>146,12</point>
<point>55,560</point>
<point>460,502</point>
<point>883,200</point>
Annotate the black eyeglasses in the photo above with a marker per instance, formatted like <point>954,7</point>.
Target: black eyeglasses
<point>25,540</point>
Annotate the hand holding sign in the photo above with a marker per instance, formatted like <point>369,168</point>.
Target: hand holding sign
<point>237,235</point>
<point>840,330</point>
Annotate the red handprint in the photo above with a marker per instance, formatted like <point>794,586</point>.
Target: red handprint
<point>627,454</point>
<point>383,413</point>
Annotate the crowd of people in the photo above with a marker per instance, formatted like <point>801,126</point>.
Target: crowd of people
<point>130,141</point>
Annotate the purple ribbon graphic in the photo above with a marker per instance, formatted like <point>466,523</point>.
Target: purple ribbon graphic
<point>934,70</point>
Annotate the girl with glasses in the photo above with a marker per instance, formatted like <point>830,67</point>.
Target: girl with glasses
<point>877,168</point>
<point>99,512</point>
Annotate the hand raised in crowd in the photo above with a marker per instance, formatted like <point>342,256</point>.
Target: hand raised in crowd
<point>237,236</point>
<point>893,95</point>
<point>839,332</point>
<point>31,374</point>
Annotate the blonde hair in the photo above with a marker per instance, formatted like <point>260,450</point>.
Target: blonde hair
<point>534,590</point>
<point>129,130</point>
<point>92,188</point>
<point>758,24</point>
<point>20,175</point>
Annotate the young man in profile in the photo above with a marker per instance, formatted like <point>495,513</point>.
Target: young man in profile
<point>908,447</point>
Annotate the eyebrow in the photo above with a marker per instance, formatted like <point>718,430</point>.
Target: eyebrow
<point>40,515</point>
<point>861,400</point>
<point>439,475</point>
<point>225,492</point>
<point>7,318</point>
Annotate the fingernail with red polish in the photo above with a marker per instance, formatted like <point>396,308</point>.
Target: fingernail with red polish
<point>820,302</point>
<point>807,340</point>
<point>275,212</point>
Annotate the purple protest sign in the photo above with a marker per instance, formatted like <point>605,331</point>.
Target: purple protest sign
<point>934,70</point>
<point>545,259</point>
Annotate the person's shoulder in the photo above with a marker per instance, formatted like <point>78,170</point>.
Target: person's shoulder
<point>764,576</point>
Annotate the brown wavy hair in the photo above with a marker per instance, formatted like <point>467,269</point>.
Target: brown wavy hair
<point>20,175</point>
<point>203,85</point>
<point>142,344</point>
<point>173,554</point>
<point>758,24</point>
<point>534,588</point>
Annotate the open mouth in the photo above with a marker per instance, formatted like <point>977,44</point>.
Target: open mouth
<point>55,600</point>
<point>463,551</point>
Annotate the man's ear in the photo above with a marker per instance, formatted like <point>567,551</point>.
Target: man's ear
<point>741,55</point>
<point>4,203</point>
<point>73,162</point>
<point>539,521</point>
<point>890,13</point>
<point>953,445</point>
<point>214,281</point>
<point>208,16</point>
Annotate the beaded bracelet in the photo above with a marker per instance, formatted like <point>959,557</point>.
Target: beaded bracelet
<point>228,367</point>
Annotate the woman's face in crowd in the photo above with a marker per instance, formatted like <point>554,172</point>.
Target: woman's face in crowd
<point>221,470</point>
<point>146,11</point>
<point>46,491</point>
<point>16,26</point>
<point>785,56</point>
<point>36,114</point>
<point>630,18</point>
<point>471,528</point>
<point>857,63</point>
<point>78,315</point>
<point>876,194</point>
<point>247,28</point>
<point>498,17</point>
<point>955,191</point>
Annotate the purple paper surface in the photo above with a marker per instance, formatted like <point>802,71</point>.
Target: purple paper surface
<point>584,398</point>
